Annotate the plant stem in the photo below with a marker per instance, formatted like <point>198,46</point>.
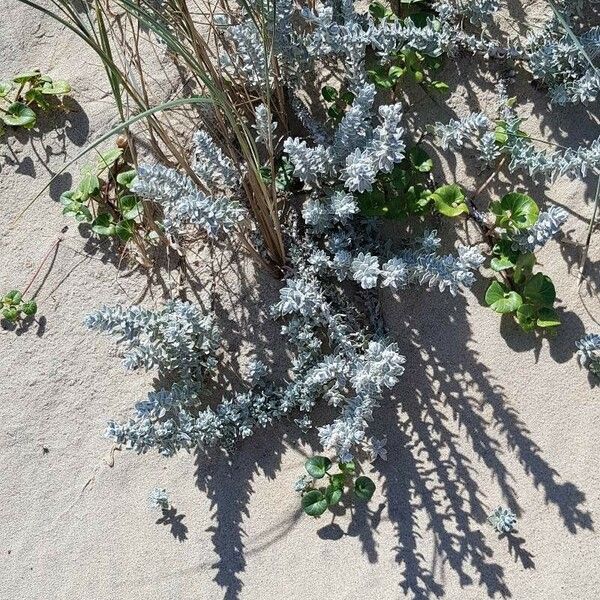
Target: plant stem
<point>54,246</point>
<point>589,233</point>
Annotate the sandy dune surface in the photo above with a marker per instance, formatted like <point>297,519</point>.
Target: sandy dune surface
<point>483,416</point>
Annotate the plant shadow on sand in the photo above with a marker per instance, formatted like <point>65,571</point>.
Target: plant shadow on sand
<point>433,434</point>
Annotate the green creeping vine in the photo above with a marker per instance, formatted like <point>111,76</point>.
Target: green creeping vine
<point>14,308</point>
<point>316,501</point>
<point>103,199</point>
<point>404,191</point>
<point>527,296</point>
<point>25,92</point>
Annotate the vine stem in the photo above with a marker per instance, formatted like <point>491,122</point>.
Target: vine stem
<point>53,247</point>
<point>589,233</point>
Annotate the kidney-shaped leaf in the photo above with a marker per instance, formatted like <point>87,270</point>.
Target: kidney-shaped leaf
<point>502,300</point>
<point>317,466</point>
<point>364,488</point>
<point>450,201</point>
<point>19,115</point>
<point>314,503</point>
<point>539,290</point>
<point>517,211</point>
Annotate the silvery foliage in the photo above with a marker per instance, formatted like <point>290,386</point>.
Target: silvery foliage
<point>358,151</point>
<point>558,61</point>
<point>551,55</point>
<point>182,342</point>
<point>478,11</point>
<point>502,520</point>
<point>212,166</point>
<point>336,358</point>
<point>177,339</point>
<point>302,483</point>
<point>588,351</point>
<point>183,204</point>
<point>475,129</point>
<point>547,227</point>
<point>246,58</point>
<point>159,499</point>
<point>264,124</point>
<point>335,29</point>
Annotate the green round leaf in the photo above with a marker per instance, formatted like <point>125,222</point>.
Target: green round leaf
<point>317,466</point>
<point>504,256</point>
<point>103,225</point>
<point>10,314</point>
<point>500,299</point>
<point>27,76</point>
<point>314,503</point>
<point>130,206</point>
<point>88,186</point>
<point>450,201</point>
<point>329,93</point>
<point>495,292</point>
<point>539,290</point>
<point>108,159</point>
<point>125,229</point>
<point>548,317</point>
<point>13,297</point>
<point>56,88</point>
<point>378,11</point>
<point>29,308</point>
<point>126,177</point>
<point>526,316</point>
<point>5,87</point>
<point>364,488</point>
<point>517,211</point>
<point>333,495</point>
<point>420,160</point>
<point>19,115</point>
<point>34,95</point>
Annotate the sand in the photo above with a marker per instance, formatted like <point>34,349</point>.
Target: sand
<point>484,415</point>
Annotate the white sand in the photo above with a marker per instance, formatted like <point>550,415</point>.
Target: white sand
<point>484,415</point>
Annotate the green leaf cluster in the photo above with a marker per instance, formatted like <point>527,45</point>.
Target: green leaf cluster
<point>527,296</point>
<point>26,92</point>
<point>13,307</point>
<point>337,102</point>
<point>404,191</point>
<point>107,204</point>
<point>315,501</point>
